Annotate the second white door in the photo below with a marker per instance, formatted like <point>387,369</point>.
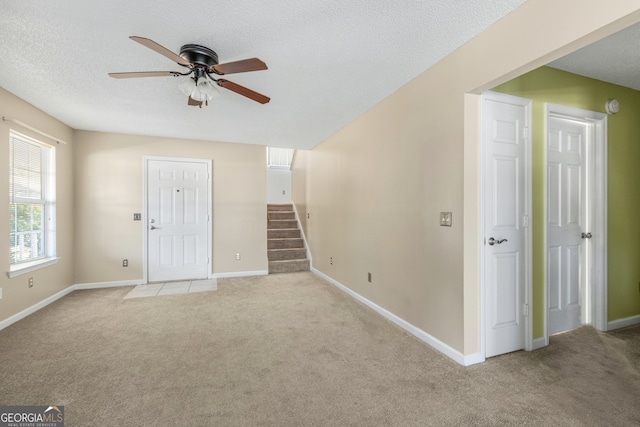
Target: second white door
<point>178,220</point>
<point>567,221</point>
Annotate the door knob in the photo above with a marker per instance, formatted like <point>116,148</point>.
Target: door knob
<point>586,235</point>
<point>153,227</point>
<point>493,241</point>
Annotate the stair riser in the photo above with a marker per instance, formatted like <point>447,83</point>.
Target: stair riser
<point>284,244</point>
<point>272,208</point>
<point>283,234</point>
<point>281,215</point>
<point>282,224</point>
<point>288,266</point>
<point>284,254</point>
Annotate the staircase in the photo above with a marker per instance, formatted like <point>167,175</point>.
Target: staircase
<point>285,247</point>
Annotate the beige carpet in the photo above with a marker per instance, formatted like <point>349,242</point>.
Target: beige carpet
<point>289,350</point>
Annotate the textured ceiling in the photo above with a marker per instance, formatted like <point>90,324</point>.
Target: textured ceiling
<point>615,59</point>
<point>329,61</point>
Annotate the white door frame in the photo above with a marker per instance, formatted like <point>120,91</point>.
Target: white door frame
<point>527,103</point>
<point>597,289</point>
<point>145,241</point>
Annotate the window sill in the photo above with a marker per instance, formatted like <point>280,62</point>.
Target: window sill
<point>28,267</point>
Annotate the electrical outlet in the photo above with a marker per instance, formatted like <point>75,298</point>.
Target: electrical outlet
<point>283,193</point>
<point>237,256</point>
<point>31,282</point>
<point>125,263</point>
<point>331,261</point>
<point>369,277</point>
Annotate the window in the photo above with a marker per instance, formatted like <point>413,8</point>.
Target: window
<point>31,203</point>
<point>279,158</point>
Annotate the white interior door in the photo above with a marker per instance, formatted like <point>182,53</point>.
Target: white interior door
<point>177,215</point>
<point>567,222</point>
<point>506,219</point>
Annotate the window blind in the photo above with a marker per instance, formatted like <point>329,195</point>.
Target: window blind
<point>25,180</point>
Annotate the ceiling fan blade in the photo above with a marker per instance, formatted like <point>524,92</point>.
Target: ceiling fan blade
<point>192,101</point>
<point>144,74</point>
<point>161,50</point>
<point>243,91</point>
<point>252,64</point>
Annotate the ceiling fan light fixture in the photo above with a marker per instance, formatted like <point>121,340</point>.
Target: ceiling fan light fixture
<point>206,86</point>
<point>187,86</point>
<point>204,90</point>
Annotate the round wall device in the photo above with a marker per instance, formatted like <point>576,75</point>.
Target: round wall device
<point>612,106</point>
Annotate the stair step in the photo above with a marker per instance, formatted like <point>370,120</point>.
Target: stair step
<point>288,266</point>
<point>285,243</point>
<point>276,215</point>
<point>288,253</point>
<point>280,207</point>
<point>282,223</point>
<point>283,233</point>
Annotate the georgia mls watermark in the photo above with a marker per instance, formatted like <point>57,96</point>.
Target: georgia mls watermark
<point>31,416</point>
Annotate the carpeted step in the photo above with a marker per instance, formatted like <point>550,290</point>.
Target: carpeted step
<point>288,253</point>
<point>283,233</point>
<point>282,223</point>
<point>275,215</point>
<point>288,266</point>
<point>285,243</point>
<point>280,207</point>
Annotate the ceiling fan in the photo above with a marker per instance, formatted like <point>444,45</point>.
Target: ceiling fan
<point>202,64</point>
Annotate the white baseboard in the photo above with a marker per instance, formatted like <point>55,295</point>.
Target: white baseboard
<point>465,360</point>
<point>539,343</point>
<point>45,302</point>
<point>35,307</point>
<point>470,359</point>
<point>623,323</point>
<point>240,274</point>
<point>99,285</point>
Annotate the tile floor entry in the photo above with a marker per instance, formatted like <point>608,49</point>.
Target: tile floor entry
<point>172,288</point>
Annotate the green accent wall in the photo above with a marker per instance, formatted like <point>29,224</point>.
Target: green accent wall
<point>558,87</point>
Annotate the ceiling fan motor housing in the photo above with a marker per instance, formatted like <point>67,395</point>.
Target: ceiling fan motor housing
<point>199,55</point>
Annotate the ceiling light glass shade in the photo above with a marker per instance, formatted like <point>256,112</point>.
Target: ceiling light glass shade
<point>187,86</point>
<point>204,90</point>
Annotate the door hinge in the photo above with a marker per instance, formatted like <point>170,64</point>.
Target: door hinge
<point>525,309</point>
<point>525,221</point>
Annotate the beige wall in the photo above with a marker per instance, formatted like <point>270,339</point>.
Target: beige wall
<point>109,190</point>
<point>16,295</point>
<point>299,183</point>
<point>377,186</point>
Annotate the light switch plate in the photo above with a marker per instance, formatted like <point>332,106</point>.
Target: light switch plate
<point>137,217</point>
<point>445,219</point>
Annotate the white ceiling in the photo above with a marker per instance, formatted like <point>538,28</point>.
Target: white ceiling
<point>329,61</point>
<point>615,59</point>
